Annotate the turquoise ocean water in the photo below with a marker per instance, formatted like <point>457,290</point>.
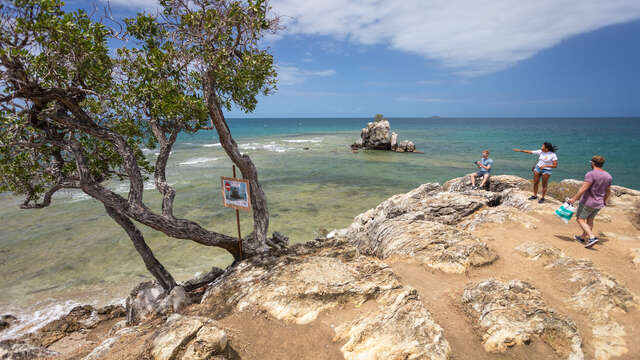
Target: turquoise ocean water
<point>72,252</point>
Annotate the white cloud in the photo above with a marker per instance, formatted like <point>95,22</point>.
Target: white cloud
<point>471,37</point>
<point>290,75</point>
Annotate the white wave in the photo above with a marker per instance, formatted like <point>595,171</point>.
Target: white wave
<point>32,322</point>
<point>314,140</point>
<point>170,153</point>
<point>122,188</point>
<point>149,185</point>
<point>250,146</point>
<point>79,196</point>
<point>212,145</point>
<point>276,148</point>
<point>147,151</point>
<point>196,161</point>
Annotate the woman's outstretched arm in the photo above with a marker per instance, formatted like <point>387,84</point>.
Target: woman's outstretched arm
<point>524,151</point>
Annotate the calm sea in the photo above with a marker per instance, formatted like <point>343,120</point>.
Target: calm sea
<point>73,252</point>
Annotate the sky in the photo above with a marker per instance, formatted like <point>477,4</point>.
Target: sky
<point>449,58</point>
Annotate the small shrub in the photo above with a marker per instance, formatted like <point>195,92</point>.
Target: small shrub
<point>378,117</point>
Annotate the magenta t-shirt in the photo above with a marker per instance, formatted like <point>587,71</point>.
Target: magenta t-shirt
<point>594,196</point>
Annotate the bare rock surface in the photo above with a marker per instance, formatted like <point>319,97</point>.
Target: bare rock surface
<point>495,183</point>
<point>635,257</point>
<point>420,225</point>
<point>7,320</point>
<point>201,337</point>
<point>597,295</point>
<point>21,350</point>
<point>514,313</point>
<point>101,350</point>
<point>209,341</point>
<point>415,335</point>
<point>318,276</point>
<point>79,318</point>
<point>149,299</point>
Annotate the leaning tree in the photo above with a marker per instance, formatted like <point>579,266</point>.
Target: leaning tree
<point>75,113</point>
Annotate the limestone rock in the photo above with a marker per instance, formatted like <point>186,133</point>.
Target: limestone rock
<point>202,279</point>
<point>117,327</point>
<point>537,251</point>
<point>513,313</point>
<point>498,215</point>
<point>7,320</point>
<point>597,294</point>
<point>402,330</point>
<point>394,141</point>
<point>210,341</point>
<point>378,136</point>
<point>101,350</point>
<point>144,302</point>
<point>176,333</point>
<point>320,275</point>
<point>79,318</point>
<point>419,225</point>
<point>174,302</point>
<point>635,257</point>
<point>405,146</point>
<point>20,350</point>
<point>299,286</point>
<point>496,183</point>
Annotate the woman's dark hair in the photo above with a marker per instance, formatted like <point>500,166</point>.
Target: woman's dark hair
<point>550,147</point>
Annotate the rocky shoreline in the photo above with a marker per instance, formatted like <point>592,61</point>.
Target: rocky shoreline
<point>440,272</point>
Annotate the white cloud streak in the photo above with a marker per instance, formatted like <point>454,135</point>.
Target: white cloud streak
<point>469,36</point>
<point>291,75</point>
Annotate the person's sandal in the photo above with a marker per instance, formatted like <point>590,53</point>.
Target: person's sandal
<point>532,197</point>
<point>541,201</point>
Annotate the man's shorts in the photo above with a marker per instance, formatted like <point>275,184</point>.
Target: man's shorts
<point>542,171</point>
<point>481,173</point>
<point>586,212</point>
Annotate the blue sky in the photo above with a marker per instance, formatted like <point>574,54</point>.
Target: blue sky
<point>417,58</point>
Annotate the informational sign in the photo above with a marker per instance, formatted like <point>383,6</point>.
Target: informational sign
<point>236,193</point>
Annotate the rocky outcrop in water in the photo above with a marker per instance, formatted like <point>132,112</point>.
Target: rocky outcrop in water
<point>378,136</point>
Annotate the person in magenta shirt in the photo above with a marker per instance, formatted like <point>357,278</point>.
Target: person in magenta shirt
<point>593,196</point>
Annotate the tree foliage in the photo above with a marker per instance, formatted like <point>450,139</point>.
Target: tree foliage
<point>75,113</point>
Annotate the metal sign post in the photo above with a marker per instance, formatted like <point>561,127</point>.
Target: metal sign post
<point>236,193</point>
<point>238,221</point>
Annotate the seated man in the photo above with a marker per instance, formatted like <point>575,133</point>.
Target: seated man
<point>484,165</point>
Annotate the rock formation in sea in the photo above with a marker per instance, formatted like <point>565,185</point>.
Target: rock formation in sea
<point>440,272</point>
<point>378,136</point>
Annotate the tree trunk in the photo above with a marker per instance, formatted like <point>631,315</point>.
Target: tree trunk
<point>153,265</point>
<point>258,242</point>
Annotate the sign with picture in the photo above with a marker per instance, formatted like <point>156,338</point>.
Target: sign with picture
<point>236,193</point>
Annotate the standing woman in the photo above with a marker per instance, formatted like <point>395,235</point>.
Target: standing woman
<point>547,160</point>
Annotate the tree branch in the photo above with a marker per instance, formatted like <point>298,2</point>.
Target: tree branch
<point>153,265</point>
